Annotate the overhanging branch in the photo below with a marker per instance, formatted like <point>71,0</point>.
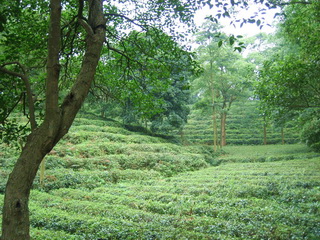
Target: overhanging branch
<point>27,84</point>
<point>127,18</point>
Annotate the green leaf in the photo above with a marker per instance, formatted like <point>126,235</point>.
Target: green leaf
<point>232,40</point>
<point>239,49</point>
<point>258,22</point>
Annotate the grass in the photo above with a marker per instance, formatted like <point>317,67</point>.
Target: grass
<point>111,183</point>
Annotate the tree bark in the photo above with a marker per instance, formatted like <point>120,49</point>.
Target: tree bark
<point>282,136</point>
<point>265,134</point>
<point>223,129</point>
<point>15,218</point>
<point>215,129</point>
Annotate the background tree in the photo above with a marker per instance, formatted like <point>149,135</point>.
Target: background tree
<point>289,81</point>
<point>154,86</point>
<point>62,73</point>
<point>224,78</point>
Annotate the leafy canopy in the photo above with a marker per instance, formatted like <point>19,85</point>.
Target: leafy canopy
<point>289,83</point>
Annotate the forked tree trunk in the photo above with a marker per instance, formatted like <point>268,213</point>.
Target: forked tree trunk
<point>58,120</point>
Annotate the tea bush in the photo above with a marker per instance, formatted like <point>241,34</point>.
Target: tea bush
<point>269,200</point>
<point>108,183</point>
<point>244,127</point>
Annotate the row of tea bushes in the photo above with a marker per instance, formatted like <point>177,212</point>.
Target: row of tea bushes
<point>270,200</point>
<point>245,126</point>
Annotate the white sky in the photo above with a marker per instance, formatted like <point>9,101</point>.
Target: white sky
<point>248,29</point>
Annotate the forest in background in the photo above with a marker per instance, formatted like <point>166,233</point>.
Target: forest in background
<point>157,89</point>
<point>130,62</point>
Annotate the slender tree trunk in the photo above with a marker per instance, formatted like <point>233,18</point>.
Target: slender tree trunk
<point>42,171</point>
<point>265,134</point>
<point>214,114</point>
<point>223,129</point>
<point>182,137</point>
<point>58,120</point>
<point>282,135</point>
<point>215,129</point>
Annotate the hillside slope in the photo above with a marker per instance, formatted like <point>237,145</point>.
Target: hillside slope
<point>97,150</point>
<point>106,182</point>
<point>245,126</point>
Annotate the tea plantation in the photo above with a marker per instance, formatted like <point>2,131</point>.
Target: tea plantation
<point>106,182</point>
<point>244,126</point>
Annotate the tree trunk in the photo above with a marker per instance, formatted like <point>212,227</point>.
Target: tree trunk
<point>265,134</point>
<point>15,219</point>
<point>214,113</point>
<point>182,137</point>
<point>42,171</point>
<point>58,120</point>
<point>223,129</point>
<point>215,129</point>
<point>282,135</point>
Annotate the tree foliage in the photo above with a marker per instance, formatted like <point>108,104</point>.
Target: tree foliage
<point>226,75</point>
<point>54,48</point>
<point>289,83</point>
<point>138,62</point>
<point>147,77</point>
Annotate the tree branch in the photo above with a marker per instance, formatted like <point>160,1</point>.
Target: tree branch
<point>127,18</point>
<point>79,91</point>
<point>123,54</point>
<point>12,108</point>
<point>86,26</point>
<point>27,84</point>
<point>53,65</point>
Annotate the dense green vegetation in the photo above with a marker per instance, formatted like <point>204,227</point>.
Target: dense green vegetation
<point>244,126</point>
<point>104,181</point>
<point>146,168</point>
<point>225,79</point>
<point>288,82</point>
<point>113,153</point>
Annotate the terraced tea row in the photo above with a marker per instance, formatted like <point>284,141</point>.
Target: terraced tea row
<point>276,200</point>
<point>245,126</point>
<point>113,154</point>
<point>105,182</point>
